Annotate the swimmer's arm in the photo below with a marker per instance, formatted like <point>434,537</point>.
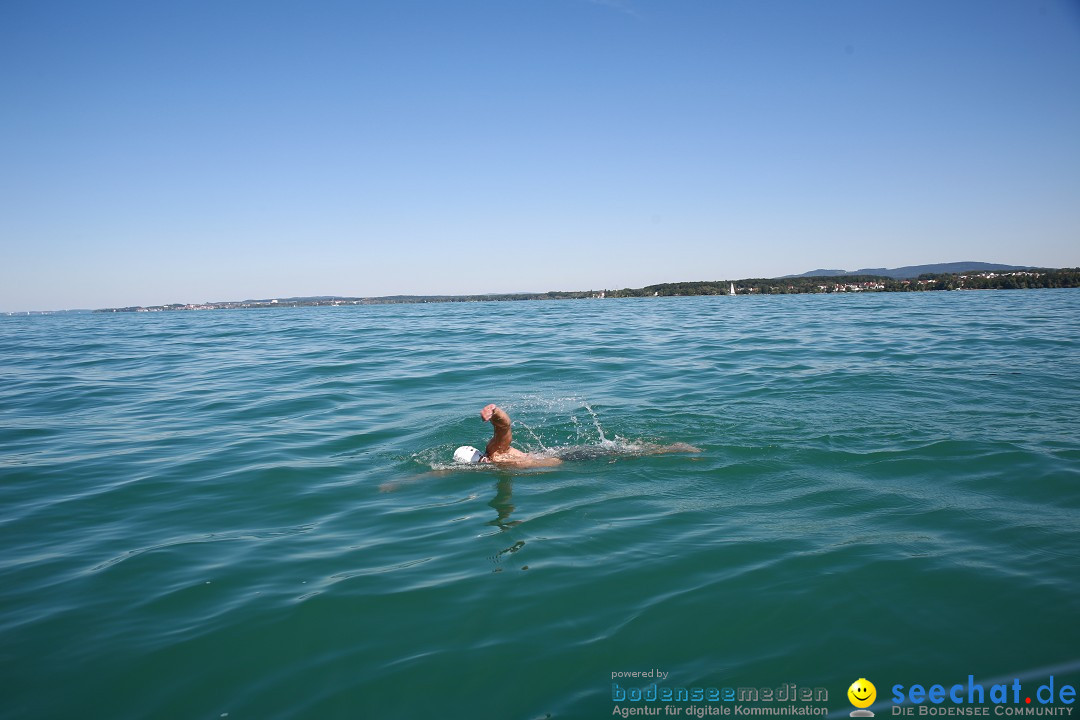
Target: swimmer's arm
<point>498,418</point>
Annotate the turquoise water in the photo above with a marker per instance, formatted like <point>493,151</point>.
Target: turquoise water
<point>254,514</point>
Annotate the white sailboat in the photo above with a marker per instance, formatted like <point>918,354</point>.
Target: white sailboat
<point>731,291</point>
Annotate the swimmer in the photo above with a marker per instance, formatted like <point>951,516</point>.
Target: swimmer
<point>500,452</point>
<point>498,449</point>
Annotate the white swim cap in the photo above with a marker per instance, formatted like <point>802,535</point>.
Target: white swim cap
<point>468,454</point>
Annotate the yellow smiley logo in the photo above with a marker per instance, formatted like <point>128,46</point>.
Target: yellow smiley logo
<point>862,693</point>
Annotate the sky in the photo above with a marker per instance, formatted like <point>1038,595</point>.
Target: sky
<point>200,151</point>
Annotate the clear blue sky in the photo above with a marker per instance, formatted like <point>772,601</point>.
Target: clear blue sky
<point>156,152</point>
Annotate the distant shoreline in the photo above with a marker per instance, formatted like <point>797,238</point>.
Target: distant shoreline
<point>984,280</point>
<point>981,280</point>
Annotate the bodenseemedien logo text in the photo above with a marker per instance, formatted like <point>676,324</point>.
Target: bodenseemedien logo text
<point>788,692</point>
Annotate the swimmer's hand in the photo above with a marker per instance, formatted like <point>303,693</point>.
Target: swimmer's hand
<point>488,411</point>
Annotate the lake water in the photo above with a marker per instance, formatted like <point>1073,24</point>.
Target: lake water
<point>254,514</point>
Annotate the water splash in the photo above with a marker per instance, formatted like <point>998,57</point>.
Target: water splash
<point>596,421</point>
<point>533,433</point>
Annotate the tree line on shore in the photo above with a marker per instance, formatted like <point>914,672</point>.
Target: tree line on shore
<point>1014,280</point>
